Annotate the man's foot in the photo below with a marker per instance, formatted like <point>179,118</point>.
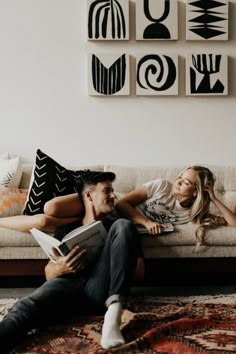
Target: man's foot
<point>111,334</point>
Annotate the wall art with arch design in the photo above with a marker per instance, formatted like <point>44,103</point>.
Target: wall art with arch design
<point>156,20</point>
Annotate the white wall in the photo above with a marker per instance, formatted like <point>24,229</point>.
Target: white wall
<point>44,101</point>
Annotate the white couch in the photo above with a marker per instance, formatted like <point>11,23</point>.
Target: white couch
<point>21,255</point>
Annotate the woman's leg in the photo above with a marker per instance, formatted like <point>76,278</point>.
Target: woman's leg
<point>40,221</point>
<point>64,206</point>
<point>58,211</point>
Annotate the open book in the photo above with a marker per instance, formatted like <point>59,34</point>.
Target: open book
<point>90,237</point>
<point>168,228</point>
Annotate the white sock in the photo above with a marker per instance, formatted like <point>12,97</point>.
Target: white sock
<point>111,334</point>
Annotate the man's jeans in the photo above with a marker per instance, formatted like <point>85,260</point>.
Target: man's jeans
<point>108,281</point>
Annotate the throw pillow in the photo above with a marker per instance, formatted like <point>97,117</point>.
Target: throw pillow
<point>49,179</point>
<point>10,172</point>
<point>12,201</point>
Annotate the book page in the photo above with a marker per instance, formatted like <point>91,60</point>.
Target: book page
<point>47,242</point>
<point>80,230</point>
<point>92,238</point>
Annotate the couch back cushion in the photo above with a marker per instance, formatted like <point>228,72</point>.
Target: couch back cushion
<point>225,185</point>
<point>131,177</point>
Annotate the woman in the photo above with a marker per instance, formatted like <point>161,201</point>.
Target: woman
<point>159,202</point>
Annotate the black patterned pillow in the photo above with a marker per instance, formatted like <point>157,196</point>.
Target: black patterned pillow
<point>49,179</point>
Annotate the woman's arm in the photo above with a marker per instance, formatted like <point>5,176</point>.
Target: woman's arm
<point>67,264</point>
<point>228,215</point>
<point>126,207</point>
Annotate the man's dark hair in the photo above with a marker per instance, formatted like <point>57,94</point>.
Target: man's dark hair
<point>91,178</point>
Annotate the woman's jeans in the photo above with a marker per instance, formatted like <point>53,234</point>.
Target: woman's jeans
<point>108,281</point>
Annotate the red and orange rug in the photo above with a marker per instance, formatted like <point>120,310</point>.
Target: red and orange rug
<point>149,326</point>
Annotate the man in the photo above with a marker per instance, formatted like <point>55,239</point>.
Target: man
<point>70,288</point>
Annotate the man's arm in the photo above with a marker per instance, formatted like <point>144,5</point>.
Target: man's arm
<point>71,263</point>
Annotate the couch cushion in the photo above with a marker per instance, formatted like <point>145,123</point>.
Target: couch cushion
<point>21,253</point>
<point>220,242</point>
<point>184,235</point>
<point>13,238</point>
<point>181,243</point>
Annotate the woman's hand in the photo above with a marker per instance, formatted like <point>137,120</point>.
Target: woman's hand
<point>228,215</point>
<point>154,228</point>
<point>210,189</point>
<point>71,263</point>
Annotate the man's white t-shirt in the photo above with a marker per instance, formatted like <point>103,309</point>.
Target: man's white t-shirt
<point>162,206</point>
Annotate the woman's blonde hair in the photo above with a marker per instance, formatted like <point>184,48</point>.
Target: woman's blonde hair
<point>200,210</point>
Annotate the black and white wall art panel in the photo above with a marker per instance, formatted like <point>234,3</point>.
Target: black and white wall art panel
<point>108,74</point>
<point>207,74</point>
<point>156,20</point>
<point>207,20</point>
<point>108,19</point>
<point>156,74</point>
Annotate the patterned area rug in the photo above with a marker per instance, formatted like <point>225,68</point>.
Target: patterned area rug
<point>149,325</point>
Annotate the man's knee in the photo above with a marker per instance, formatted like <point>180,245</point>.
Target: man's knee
<point>124,225</point>
<point>124,229</point>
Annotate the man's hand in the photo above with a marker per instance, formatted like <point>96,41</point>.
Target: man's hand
<point>154,228</point>
<point>71,263</point>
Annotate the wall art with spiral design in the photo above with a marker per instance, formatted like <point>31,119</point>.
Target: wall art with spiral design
<point>206,74</point>
<point>156,20</point>
<point>108,19</point>
<point>207,20</point>
<point>156,74</point>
